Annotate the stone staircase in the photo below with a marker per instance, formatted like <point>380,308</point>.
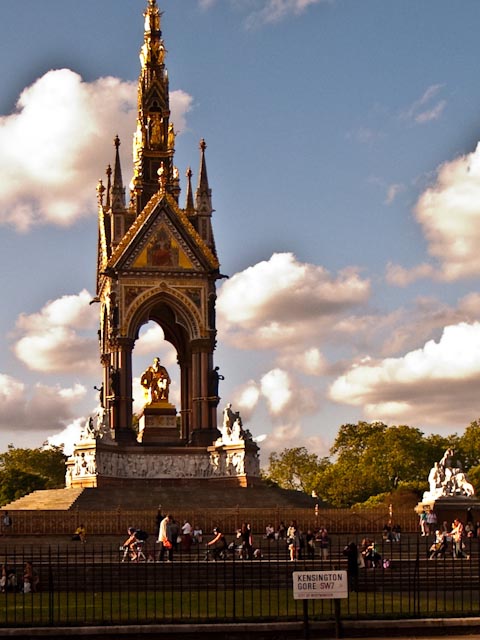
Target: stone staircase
<point>138,497</point>
<point>46,500</point>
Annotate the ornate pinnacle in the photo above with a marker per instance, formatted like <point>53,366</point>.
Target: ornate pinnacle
<point>100,192</point>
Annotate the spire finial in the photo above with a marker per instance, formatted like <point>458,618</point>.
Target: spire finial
<point>109,185</point>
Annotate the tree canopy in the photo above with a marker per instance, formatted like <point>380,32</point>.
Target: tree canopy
<point>372,459</point>
<point>25,470</point>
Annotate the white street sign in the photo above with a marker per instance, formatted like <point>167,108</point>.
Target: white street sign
<point>320,584</point>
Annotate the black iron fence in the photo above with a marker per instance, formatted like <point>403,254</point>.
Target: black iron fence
<point>95,584</point>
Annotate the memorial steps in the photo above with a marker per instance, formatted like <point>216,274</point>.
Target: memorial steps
<point>138,496</point>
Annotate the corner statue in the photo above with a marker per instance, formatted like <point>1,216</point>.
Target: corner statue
<point>156,382</point>
<point>447,480</point>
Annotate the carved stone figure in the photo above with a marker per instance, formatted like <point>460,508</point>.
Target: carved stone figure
<point>447,480</point>
<point>156,381</point>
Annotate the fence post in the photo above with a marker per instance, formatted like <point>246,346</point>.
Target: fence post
<point>50,588</point>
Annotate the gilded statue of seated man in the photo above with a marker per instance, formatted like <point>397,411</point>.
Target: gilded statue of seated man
<point>156,381</point>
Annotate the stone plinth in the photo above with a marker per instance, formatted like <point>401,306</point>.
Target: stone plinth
<point>447,508</point>
<point>158,425</point>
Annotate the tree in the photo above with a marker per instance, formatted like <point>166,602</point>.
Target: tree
<point>25,470</point>
<point>295,469</point>
<point>468,446</point>
<point>372,459</point>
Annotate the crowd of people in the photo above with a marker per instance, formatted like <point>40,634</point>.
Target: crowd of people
<point>26,582</point>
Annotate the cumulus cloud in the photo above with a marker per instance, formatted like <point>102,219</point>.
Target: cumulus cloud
<point>437,384</point>
<point>52,148</point>
<point>69,436</point>
<point>310,361</point>
<point>400,276</point>
<point>280,301</point>
<point>246,399</point>
<point>59,338</point>
<point>38,409</point>
<point>449,214</point>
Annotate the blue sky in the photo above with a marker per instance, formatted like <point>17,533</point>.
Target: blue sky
<point>342,141</point>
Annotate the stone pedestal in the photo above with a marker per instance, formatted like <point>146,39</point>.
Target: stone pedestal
<point>158,425</point>
<point>447,508</point>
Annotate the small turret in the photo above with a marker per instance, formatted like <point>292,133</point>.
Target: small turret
<point>203,202</point>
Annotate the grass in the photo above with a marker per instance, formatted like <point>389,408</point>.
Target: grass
<point>73,608</point>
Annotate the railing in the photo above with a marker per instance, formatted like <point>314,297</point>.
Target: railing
<point>117,521</point>
<point>94,584</point>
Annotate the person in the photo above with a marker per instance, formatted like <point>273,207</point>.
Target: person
<point>293,540</point>
<point>397,532</point>
<point>387,534</point>
<point>30,578</point>
<point>269,532</point>
<point>158,518</point>
<point>246,541</point>
<point>197,534</point>
<point>310,544</point>
<point>80,533</point>
<point>130,545</point>
<point>352,555</point>
<point>457,533</point>
<point>8,579</point>
<point>173,533</point>
<point>424,524</point>
<point>164,539</point>
<point>156,381</point>
<point>187,539</point>
<point>323,540</point>
<point>218,544</point>
<point>6,523</point>
<point>372,556</point>
<point>281,531</point>
<point>439,546</point>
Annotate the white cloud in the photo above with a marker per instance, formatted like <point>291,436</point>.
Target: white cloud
<point>392,192</point>
<point>53,151</point>
<point>270,11</point>
<point>449,213</point>
<point>402,277</point>
<point>69,436</point>
<point>276,388</point>
<point>52,340</point>
<point>37,409</point>
<point>281,302</point>
<point>311,361</point>
<point>436,384</point>
<point>427,107</point>
<point>246,399</point>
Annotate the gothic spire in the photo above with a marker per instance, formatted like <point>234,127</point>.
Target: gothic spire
<point>118,191</point>
<point>203,196</point>
<point>154,140</point>
<point>189,206</point>
<point>203,202</point>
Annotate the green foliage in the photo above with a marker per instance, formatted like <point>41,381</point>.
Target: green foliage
<point>370,462</point>
<point>295,469</point>
<point>25,470</point>
<point>474,478</point>
<point>467,448</point>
